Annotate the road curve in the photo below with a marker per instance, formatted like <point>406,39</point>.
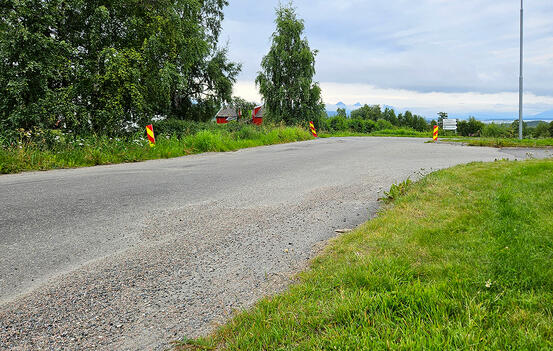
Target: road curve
<point>133,256</point>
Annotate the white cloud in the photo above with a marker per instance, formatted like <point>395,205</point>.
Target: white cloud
<point>466,50</point>
<point>424,103</point>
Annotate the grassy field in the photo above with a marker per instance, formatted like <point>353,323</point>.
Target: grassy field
<point>91,151</point>
<point>462,261</point>
<point>501,142</point>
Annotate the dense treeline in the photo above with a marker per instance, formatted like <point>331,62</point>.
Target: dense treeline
<point>371,118</point>
<point>474,128</point>
<point>102,66</point>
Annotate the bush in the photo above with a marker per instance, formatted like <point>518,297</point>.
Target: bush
<point>369,126</point>
<point>472,127</point>
<point>542,130</point>
<point>355,125</point>
<point>178,127</point>
<point>338,123</point>
<point>382,124</point>
<point>493,130</point>
<point>513,132</point>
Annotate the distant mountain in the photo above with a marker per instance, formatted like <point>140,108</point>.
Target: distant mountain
<point>503,116</point>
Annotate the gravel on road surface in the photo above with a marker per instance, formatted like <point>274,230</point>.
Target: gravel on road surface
<point>133,256</point>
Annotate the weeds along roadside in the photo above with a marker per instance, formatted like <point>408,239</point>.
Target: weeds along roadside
<point>44,150</point>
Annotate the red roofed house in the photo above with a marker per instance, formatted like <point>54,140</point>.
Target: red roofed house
<point>227,114</point>
<point>257,115</point>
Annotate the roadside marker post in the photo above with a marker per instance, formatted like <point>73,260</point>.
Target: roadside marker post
<point>151,137</point>
<point>436,128</point>
<point>313,131</point>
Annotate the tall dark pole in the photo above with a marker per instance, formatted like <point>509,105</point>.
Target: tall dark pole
<point>520,86</point>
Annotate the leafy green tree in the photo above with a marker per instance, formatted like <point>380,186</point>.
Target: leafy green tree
<point>33,64</point>
<point>406,119</point>
<point>513,132</point>
<point>338,123</point>
<point>342,112</point>
<point>383,124</point>
<point>104,65</point>
<point>372,112</point>
<point>441,117</point>
<point>390,116</point>
<point>541,130</point>
<point>493,130</point>
<point>472,127</point>
<point>286,79</point>
<point>551,129</point>
<point>419,123</point>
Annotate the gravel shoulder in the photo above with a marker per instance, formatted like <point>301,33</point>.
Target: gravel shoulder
<point>130,257</point>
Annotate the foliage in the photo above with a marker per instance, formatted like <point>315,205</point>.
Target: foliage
<point>462,261</point>
<point>514,131</point>
<point>472,127</point>
<point>340,126</point>
<point>375,113</point>
<point>372,112</point>
<point>341,112</point>
<point>382,124</point>
<point>107,66</point>
<point>542,131</point>
<point>493,130</point>
<point>245,106</point>
<point>338,123</point>
<point>397,190</point>
<point>43,150</point>
<point>286,79</point>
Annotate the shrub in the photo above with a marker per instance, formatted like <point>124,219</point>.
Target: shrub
<point>338,123</point>
<point>355,125</point>
<point>382,124</point>
<point>472,127</point>
<point>178,127</point>
<point>493,130</point>
<point>247,132</point>
<point>369,126</point>
<point>541,130</point>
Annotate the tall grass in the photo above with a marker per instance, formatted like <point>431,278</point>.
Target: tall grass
<point>99,150</point>
<point>462,261</point>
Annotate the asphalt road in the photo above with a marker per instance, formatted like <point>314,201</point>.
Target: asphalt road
<point>133,256</point>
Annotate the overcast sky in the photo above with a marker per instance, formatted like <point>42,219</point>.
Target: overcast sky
<point>459,56</point>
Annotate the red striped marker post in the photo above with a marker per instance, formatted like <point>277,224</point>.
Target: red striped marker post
<point>151,137</point>
<point>313,131</point>
<point>436,128</point>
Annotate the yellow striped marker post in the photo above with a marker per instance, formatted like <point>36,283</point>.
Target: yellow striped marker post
<point>436,129</point>
<point>151,137</point>
<point>313,131</point>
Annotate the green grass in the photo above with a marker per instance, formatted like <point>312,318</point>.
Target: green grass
<point>462,261</point>
<point>501,142</point>
<point>93,151</point>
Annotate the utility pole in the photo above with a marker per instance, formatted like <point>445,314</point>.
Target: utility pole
<point>520,87</point>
